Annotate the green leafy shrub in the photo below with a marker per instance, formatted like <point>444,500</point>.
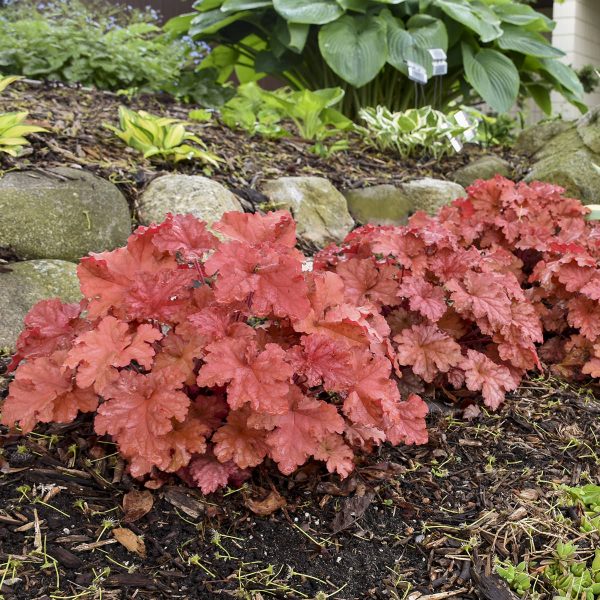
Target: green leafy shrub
<point>589,75</point>
<point>417,131</point>
<point>162,137</point>
<point>13,130</point>
<point>496,48</point>
<point>313,114</point>
<point>111,48</point>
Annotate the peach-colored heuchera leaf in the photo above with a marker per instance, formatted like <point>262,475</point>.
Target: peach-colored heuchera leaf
<point>258,377</point>
<point>96,354</point>
<point>427,350</point>
<point>44,391</point>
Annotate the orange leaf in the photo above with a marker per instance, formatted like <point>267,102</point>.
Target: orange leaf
<point>274,501</point>
<point>129,540</point>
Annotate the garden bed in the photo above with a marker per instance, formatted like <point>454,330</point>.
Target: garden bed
<point>411,521</point>
<point>76,117</point>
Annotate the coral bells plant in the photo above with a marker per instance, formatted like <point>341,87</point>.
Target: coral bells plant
<point>205,357</point>
<point>446,314</point>
<point>554,252</point>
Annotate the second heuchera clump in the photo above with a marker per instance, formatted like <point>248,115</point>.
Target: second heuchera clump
<point>205,357</point>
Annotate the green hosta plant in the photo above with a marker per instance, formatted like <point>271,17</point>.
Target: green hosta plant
<point>6,81</point>
<point>13,129</point>
<point>313,114</point>
<point>417,131</point>
<point>13,132</point>
<point>248,110</point>
<point>497,49</point>
<point>162,137</point>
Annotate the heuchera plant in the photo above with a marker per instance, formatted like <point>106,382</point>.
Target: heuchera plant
<point>455,316</point>
<point>203,358</point>
<point>554,253</point>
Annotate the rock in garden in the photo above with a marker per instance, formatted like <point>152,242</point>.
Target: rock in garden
<point>22,284</point>
<point>320,210</point>
<point>60,213</point>
<point>571,159</point>
<point>534,138</point>
<point>181,194</point>
<point>485,167</point>
<point>379,204</point>
<point>429,195</point>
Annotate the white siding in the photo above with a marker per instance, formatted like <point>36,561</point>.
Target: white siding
<point>577,33</point>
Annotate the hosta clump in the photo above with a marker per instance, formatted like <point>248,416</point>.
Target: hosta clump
<point>203,357</point>
<point>554,252</point>
<point>445,314</point>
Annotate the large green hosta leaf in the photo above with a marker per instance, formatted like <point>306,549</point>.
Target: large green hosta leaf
<point>527,42</point>
<point>210,22</point>
<point>355,47</point>
<point>476,17</point>
<point>428,32</point>
<point>493,76</point>
<point>231,5</point>
<point>523,15</point>
<point>423,32</point>
<point>317,12</point>
<point>564,75</point>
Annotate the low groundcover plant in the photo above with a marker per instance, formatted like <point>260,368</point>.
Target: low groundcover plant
<point>204,357</point>
<point>206,367</point>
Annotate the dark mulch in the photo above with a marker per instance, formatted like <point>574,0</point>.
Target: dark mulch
<point>411,522</point>
<point>76,116</point>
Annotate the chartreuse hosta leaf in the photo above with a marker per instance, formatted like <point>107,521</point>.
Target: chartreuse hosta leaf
<point>160,136</point>
<point>13,132</point>
<point>6,81</point>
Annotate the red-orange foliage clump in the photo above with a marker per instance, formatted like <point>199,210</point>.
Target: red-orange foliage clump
<point>205,357</point>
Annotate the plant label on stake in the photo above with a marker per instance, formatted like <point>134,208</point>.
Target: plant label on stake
<point>416,72</point>
<point>454,141</point>
<point>462,119</point>
<point>439,60</point>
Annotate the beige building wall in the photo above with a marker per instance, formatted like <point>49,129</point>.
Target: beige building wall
<point>577,33</point>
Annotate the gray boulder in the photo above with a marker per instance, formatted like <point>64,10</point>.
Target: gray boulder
<point>485,167</point>
<point>60,213</point>
<point>379,204</point>
<point>572,159</point>
<point>320,210</point>
<point>182,194</point>
<point>429,195</point>
<point>588,128</point>
<point>534,138</point>
<point>29,282</point>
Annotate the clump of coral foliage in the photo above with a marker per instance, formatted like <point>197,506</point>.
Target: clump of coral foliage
<point>205,357</point>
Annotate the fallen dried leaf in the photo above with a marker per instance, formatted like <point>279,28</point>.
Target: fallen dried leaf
<point>274,501</point>
<point>128,539</point>
<point>528,494</point>
<point>136,504</point>
<point>353,509</point>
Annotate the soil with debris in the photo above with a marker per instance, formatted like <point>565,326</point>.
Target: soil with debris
<point>412,522</point>
<point>76,119</point>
